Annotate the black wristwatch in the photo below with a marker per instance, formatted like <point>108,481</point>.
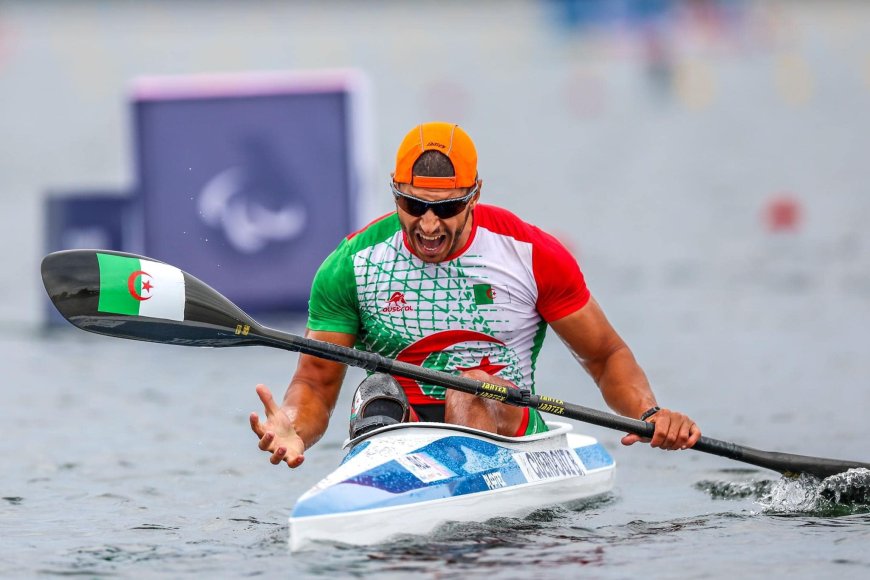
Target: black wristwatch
<point>649,413</point>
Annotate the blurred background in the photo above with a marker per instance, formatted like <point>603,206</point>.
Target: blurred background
<point>706,161</point>
<point>712,147</point>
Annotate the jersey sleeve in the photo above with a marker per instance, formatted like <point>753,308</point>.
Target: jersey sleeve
<point>561,286</point>
<point>333,305</point>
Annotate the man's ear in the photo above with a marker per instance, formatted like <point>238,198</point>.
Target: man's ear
<point>479,189</point>
<point>476,198</point>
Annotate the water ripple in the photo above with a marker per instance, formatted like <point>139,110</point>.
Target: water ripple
<point>155,527</point>
<point>735,489</point>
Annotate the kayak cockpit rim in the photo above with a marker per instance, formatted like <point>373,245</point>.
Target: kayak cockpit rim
<point>555,429</point>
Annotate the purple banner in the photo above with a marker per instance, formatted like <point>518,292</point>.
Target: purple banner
<point>247,181</point>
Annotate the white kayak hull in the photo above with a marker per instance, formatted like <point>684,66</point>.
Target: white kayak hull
<point>411,478</point>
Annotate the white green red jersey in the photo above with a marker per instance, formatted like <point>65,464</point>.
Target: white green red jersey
<point>485,307</point>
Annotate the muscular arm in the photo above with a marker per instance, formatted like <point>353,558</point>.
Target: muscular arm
<point>623,383</point>
<point>607,359</point>
<point>314,389</point>
<point>301,419</point>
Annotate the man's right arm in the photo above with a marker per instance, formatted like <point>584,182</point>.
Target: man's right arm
<point>303,416</point>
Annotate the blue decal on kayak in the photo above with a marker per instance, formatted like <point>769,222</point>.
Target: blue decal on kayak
<point>478,466</point>
<point>472,460</point>
<point>353,452</point>
<point>464,456</point>
<point>594,456</point>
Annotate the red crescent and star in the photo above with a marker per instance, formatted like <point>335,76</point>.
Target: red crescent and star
<point>418,352</point>
<point>146,285</point>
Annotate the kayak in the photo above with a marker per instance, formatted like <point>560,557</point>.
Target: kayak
<point>409,478</point>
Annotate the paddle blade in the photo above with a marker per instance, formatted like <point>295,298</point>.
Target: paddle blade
<point>130,296</point>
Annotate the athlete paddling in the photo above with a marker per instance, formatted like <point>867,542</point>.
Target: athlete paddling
<point>459,286</point>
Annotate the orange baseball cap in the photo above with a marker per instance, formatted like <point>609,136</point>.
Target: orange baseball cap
<point>447,138</point>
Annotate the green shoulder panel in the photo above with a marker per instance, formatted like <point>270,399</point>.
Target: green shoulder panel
<point>376,232</point>
<point>334,305</point>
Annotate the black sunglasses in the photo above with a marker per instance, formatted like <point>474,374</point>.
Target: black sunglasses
<point>444,209</point>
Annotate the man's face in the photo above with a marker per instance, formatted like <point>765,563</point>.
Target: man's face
<point>431,238</point>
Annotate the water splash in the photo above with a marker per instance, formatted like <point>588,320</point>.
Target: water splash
<point>841,494</point>
<point>792,495</point>
<point>849,487</point>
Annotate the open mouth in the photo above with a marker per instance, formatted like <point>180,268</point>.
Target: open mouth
<point>431,245</point>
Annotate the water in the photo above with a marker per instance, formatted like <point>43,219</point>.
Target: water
<point>136,459</point>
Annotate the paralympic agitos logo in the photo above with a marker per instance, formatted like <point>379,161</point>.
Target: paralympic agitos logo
<point>397,303</point>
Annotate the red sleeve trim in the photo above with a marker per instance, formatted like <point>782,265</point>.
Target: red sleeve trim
<point>567,308</point>
<point>561,285</point>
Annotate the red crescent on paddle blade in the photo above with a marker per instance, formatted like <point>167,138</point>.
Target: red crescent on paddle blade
<point>131,284</point>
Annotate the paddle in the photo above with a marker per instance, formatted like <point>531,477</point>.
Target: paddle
<point>206,318</point>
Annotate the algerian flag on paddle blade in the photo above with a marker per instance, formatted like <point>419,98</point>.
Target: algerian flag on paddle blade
<point>140,287</point>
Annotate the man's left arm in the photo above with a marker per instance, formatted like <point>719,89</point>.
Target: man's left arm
<point>624,385</point>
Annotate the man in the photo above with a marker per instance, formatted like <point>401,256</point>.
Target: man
<point>462,287</point>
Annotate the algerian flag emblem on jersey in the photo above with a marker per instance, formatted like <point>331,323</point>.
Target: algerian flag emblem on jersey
<point>140,287</point>
<point>486,294</point>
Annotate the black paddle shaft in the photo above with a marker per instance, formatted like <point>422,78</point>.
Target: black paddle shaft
<point>72,279</point>
<point>781,462</point>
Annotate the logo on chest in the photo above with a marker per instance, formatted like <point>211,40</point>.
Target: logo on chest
<point>397,303</point>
